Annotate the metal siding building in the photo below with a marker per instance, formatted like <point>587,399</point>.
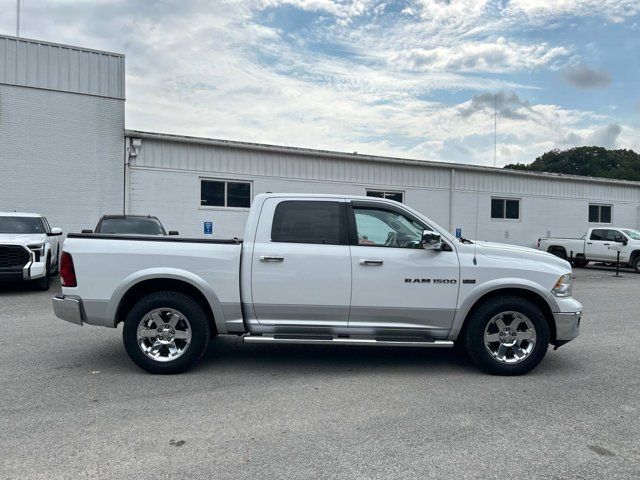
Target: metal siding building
<point>61,131</point>
<point>165,174</point>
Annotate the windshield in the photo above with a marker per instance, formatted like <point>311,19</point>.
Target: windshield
<point>139,226</point>
<point>21,225</point>
<point>634,234</point>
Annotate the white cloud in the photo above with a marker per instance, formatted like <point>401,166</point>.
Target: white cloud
<point>499,56</point>
<point>543,10</point>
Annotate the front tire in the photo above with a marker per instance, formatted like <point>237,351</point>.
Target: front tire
<point>507,336</point>
<point>166,332</point>
<point>42,284</point>
<point>635,264</point>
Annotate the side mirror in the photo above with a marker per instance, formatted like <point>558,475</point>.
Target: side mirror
<point>431,240</point>
<point>55,232</point>
<point>87,231</point>
<point>174,232</point>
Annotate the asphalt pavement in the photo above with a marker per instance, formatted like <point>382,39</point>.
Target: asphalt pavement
<point>72,405</point>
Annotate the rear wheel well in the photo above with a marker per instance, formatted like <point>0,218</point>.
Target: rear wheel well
<point>532,297</point>
<point>146,287</point>
<point>555,250</point>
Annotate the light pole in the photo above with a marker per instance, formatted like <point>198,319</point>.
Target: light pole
<point>495,128</point>
<point>17,18</point>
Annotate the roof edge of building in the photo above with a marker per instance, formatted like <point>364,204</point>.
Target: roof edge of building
<point>62,45</point>
<point>366,157</point>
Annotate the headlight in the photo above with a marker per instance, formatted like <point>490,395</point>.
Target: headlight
<point>37,249</point>
<point>563,286</point>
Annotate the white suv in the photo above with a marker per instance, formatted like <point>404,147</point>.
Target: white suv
<point>29,248</point>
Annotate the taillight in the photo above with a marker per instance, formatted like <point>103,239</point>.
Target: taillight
<point>67,271</point>
<point>538,243</point>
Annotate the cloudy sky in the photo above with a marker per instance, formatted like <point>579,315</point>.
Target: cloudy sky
<point>412,78</point>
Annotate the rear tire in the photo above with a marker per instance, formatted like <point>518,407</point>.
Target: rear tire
<point>580,263</point>
<point>166,332</point>
<point>507,336</point>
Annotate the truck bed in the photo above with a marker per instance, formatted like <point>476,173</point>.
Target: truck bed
<point>108,265</point>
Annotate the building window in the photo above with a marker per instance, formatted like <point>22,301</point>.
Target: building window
<point>397,196</point>
<point>505,208</point>
<point>221,193</point>
<point>309,222</point>
<point>599,213</point>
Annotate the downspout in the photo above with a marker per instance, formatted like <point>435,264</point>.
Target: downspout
<point>132,148</point>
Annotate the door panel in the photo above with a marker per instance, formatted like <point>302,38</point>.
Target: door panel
<point>411,289</point>
<point>397,284</point>
<point>595,245</point>
<point>296,283</point>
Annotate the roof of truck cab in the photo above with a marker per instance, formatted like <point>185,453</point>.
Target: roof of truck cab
<point>20,214</point>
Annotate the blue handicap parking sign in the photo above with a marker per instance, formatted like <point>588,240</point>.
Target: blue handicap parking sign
<point>208,228</point>
<point>458,232</point>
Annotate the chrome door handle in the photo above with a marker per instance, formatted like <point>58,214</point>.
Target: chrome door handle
<point>364,261</point>
<point>589,243</point>
<point>271,258</point>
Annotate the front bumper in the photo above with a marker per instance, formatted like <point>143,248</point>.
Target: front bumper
<point>69,309</point>
<point>567,324</point>
<point>31,271</point>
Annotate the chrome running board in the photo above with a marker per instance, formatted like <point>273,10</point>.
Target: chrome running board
<point>327,340</point>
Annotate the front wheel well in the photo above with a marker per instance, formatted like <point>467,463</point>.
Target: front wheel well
<point>154,285</point>
<point>633,256</point>
<point>532,297</point>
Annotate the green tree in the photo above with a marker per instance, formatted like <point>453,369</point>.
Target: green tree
<point>587,161</point>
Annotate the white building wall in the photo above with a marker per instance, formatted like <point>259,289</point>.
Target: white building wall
<point>165,181</point>
<point>61,132</point>
<point>174,196</point>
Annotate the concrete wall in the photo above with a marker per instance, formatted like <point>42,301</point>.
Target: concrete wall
<point>61,154</point>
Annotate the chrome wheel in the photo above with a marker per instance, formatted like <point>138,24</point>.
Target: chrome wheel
<point>164,334</point>
<point>510,337</point>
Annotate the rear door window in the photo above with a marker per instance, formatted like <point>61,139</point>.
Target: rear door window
<point>598,235</point>
<point>318,222</point>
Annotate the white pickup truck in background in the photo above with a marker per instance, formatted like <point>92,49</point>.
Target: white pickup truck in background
<point>321,269</point>
<point>600,244</point>
<point>29,249</point>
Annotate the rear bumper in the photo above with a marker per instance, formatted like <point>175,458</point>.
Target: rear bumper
<point>69,309</point>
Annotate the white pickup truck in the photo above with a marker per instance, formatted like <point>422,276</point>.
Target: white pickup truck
<point>29,248</point>
<point>321,269</point>
<point>600,244</point>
